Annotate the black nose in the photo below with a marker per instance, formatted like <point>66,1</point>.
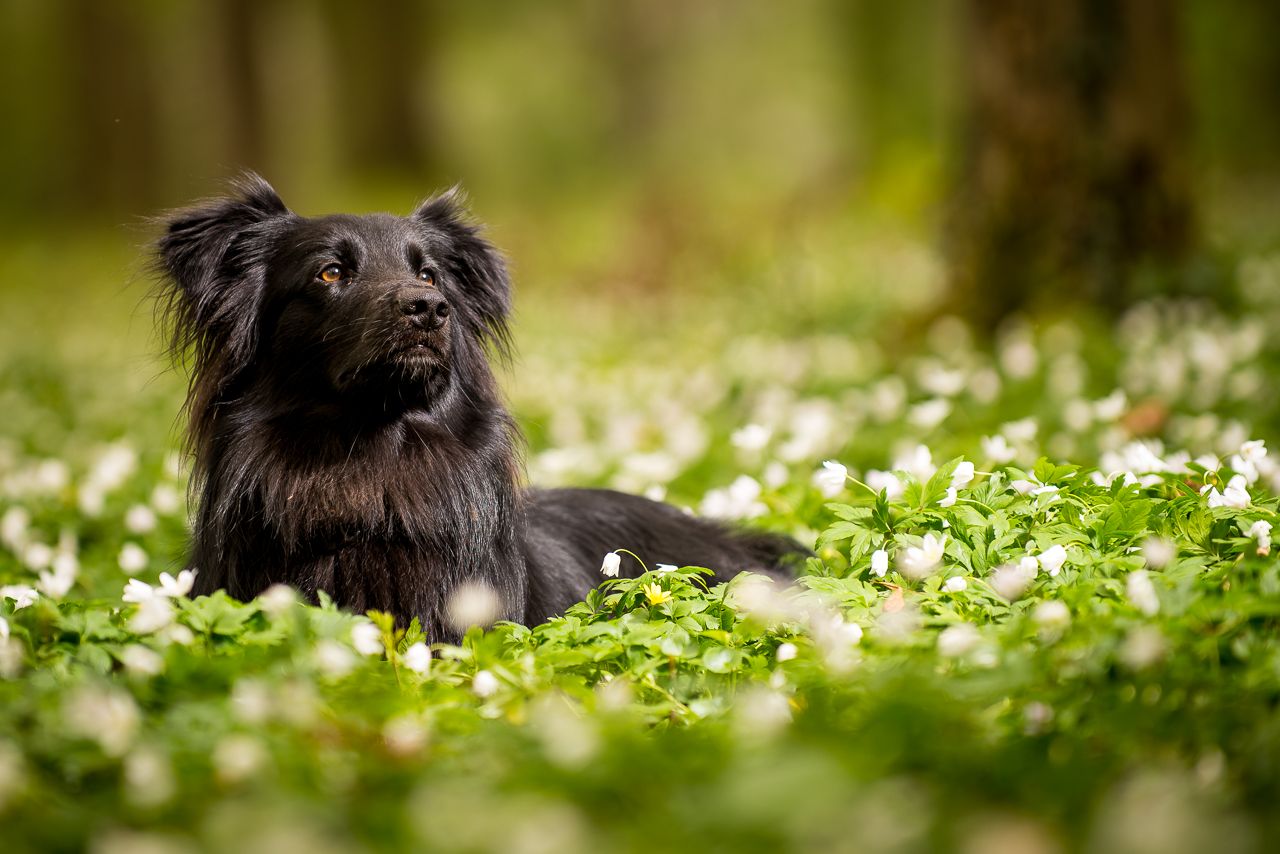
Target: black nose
<point>425,307</point>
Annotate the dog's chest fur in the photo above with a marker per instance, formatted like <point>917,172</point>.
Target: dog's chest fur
<point>392,517</point>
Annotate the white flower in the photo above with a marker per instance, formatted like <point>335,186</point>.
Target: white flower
<point>140,519</point>
<point>141,661</point>
<point>958,640</point>
<point>13,528</point>
<point>929,413</point>
<point>107,715</point>
<point>148,778</point>
<point>1236,494</point>
<point>1023,487</point>
<point>963,475</point>
<point>277,599</point>
<point>132,558</point>
<point>1143,647</point>
<point>1111,407</point>
<point>484,684</point>
<point>886,482</point>
<point>1023,430</point>
<point>737,501</point>
<point>37,556</point>
<point>237,757</point>
<point>165,499</point>
<point>405,734</point>
<point>612,561</point>
<point>753,437</point>
<point>955,584</point>
<point>1212,496</point>
<point>1259,530</point>
<point>21,594</point>
<point>1052,559</point>
<point>1254,451</point>
<point>880,562</point>
<point>830,478</point>
<point>473,604</point>
<point>153,614</point>
<point>333,659</point>
<point>786,651</point>
<point>138,591</point>
<point>1158,552</point>
<point>664,568</point>
<point>996,449</point>
<point>175,587</point>
<point>4,629</point>
<point>918,462</point>
<point>366,638</point>
<point>1053,617</point>
<point>1244,467</point>
<point>950,498</point>
<point>417,657</point>
<point>919,561</point>
<point>55,584</point>
<point>1142,593</point>
<point>1012,581</point>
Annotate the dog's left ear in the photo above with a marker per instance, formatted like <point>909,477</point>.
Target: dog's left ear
<point>472,262</point>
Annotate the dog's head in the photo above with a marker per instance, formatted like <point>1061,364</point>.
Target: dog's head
<point>331,308</point>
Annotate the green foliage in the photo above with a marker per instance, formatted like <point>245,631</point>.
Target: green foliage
<point>848,708</point>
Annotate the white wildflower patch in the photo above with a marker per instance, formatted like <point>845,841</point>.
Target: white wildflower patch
<point>132,559</point>
<point>417,658</point>
<point>238,757</point>
<point>880,562</point>
<point>484,684</point>
<point>1011,582</point>
<point>1141,592</point>
<point>958,640</point>
<point>474,604</point>
<point>918,461</point>
<point>886,482</point>
<point>996,448</point>
<point>103,714</point>
<point>277,600</point>
<point>830,479</point>
<point>740,500</point>
<point>22,595</point>
<point>366,638</point>
<point>140,519</point>
<point>334,659</point>
<point>919,561</point>
<point>1052,617</point>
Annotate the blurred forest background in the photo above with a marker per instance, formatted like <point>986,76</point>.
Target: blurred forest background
<point>849,165</point>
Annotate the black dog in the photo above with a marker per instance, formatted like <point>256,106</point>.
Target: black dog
<point>348,432</point>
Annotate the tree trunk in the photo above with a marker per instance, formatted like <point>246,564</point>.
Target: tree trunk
<point>1075,163</point>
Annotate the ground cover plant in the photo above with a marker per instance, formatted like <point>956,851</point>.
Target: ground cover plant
<point>1042,617</point>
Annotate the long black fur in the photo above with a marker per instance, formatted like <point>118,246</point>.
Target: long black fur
<point>350,436</point>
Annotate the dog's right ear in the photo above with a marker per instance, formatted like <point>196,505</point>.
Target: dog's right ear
<point>212,259</point>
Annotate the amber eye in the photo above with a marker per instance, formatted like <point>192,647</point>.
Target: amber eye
<point>427,276</point>
<point>332,273</point>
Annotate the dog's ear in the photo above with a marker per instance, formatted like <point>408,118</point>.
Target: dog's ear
<point>213,259</point>
<point>473,263</point>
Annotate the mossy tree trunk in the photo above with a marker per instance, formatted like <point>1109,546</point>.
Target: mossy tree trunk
<point>1074,172</point>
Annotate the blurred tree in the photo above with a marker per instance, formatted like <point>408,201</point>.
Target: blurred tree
<point>1075,164</point>
<point>383,55</point>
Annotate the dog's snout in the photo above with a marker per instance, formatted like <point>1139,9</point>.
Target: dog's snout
<point>425,308</point>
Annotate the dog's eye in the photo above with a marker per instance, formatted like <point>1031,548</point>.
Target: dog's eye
<point>332,273</point>
<point>427,276</point>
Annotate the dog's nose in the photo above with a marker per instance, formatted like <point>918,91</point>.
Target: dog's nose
<point>425,308</point>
